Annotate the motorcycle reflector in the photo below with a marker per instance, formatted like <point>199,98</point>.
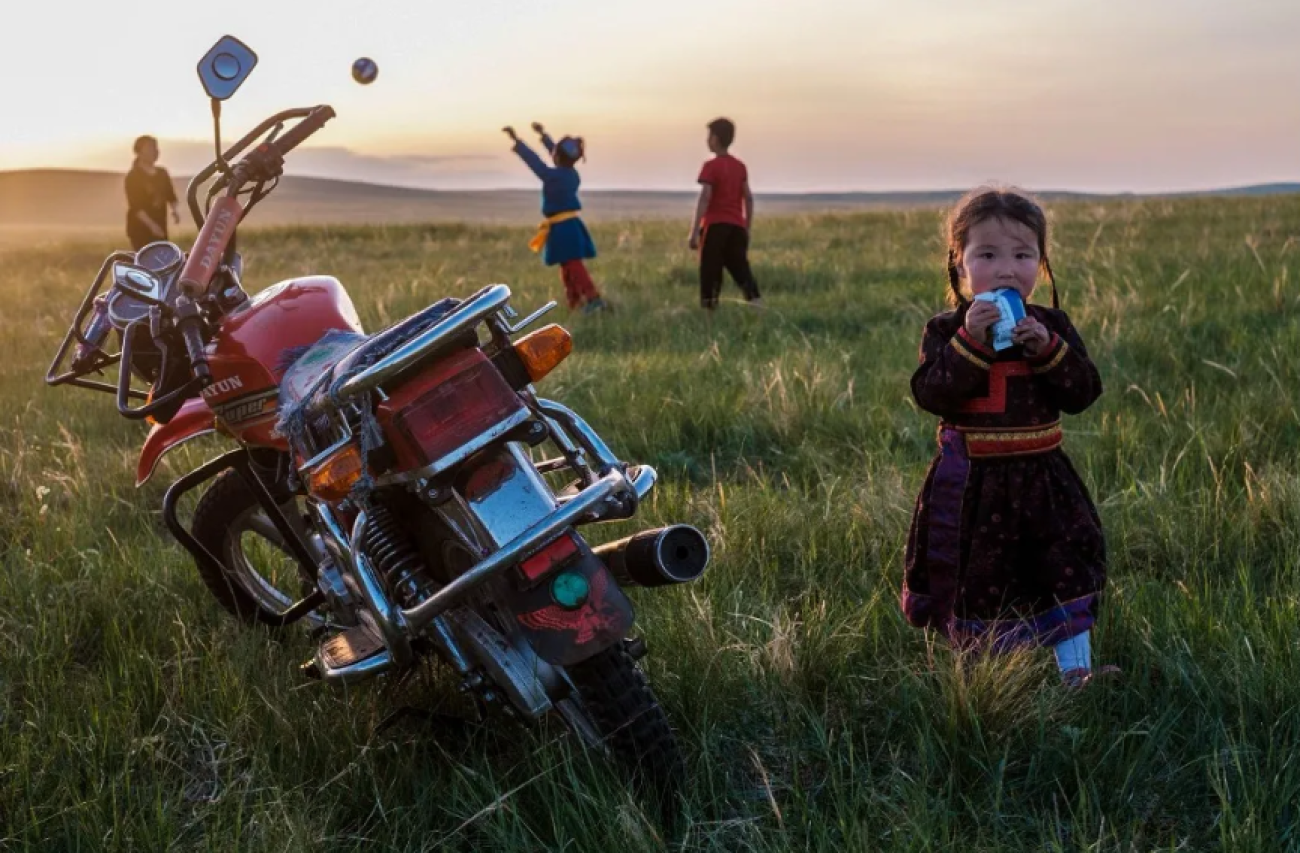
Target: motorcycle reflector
<point>453,402</point>
<point>334,478</point>
<point>541,351</point>
<point>557,552</point>
<point>570,590</point>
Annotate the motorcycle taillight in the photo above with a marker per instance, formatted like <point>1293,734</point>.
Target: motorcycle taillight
<point>448,407</point>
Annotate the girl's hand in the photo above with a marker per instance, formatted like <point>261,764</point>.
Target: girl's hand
<point>694,240</point>
<point>510,132</point>
<point>980,318</point>
<point>1032,335</point>
<point>537,128</point>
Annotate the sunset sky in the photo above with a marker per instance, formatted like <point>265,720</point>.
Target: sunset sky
<point>828,94</point>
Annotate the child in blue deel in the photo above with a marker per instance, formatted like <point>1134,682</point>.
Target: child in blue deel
<point>562,234</point>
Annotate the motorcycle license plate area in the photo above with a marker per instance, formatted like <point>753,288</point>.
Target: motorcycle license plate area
<point>574,612</point>
<point>553,555</point>
<point>571,607</point>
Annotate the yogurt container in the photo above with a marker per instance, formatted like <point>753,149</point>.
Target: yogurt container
<point>1012,309</point>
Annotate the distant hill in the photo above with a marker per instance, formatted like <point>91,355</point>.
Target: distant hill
<point>54,200</point>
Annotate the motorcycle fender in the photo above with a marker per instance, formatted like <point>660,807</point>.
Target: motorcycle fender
<point>193,420</point>
<point>563,637</point>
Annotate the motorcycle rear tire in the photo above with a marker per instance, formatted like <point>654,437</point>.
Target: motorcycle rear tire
<point>618,698</point>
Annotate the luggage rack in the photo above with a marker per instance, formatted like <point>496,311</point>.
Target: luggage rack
<point>101,360</point>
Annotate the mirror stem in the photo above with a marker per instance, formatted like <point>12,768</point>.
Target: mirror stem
<point>216,133</point>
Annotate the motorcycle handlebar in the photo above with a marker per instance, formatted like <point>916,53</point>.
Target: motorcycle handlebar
<point>312,121</point>
<point>210,247</point>
<point>298,134</point>
<point>188,322</point>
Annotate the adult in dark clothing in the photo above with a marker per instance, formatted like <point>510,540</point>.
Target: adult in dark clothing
<point>149,192</point>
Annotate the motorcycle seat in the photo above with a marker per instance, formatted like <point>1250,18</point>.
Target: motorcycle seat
<point>341,354</point>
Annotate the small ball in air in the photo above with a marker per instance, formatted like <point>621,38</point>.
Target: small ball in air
<point>364,71</point>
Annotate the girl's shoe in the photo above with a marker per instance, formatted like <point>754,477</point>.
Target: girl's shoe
<point>597,304</point>
<point>1080,677</point>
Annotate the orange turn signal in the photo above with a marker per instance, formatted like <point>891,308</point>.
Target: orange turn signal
<point>542,350</point>
<point>334,478</point>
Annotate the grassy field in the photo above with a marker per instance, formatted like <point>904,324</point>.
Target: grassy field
<point>137,717</point>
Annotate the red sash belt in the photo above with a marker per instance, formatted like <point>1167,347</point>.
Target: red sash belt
<point>1019,441</point>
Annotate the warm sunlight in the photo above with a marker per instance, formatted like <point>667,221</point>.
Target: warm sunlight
<point>840,94</point>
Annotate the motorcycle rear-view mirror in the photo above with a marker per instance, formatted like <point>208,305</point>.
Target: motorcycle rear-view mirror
<point>138,280</point>
<point>225,67</point>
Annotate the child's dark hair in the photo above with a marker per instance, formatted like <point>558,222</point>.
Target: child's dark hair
<point>725,130</point>
<point>982,204</point>
<point>141,141</point>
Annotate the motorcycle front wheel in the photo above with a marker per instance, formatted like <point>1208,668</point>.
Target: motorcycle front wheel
<point>258,579</point>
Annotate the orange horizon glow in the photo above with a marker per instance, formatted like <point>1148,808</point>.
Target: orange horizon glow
<point>828,95</point>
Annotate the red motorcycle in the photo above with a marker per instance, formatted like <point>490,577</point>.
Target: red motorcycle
<point>402,477</point>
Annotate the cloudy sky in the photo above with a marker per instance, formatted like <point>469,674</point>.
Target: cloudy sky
<point>831,95</point>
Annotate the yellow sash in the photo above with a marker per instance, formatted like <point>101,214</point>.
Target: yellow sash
<point>544,230</point>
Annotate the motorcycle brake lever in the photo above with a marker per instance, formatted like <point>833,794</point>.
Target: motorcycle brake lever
<point>263,163</point>
<point>156,322</point>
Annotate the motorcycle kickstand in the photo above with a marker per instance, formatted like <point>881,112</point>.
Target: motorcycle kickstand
<point>397,715</point>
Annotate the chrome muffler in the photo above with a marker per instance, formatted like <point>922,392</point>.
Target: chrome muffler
<point>668,555</point>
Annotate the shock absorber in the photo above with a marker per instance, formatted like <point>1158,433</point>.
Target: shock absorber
<point>399,564</point>
<point>396,559</point>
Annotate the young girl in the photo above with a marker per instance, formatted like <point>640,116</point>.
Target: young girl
<point>563,235</point>
<point>1006,547</point>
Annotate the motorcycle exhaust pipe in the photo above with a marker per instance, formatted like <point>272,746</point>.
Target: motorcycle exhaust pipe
<point>668,555</point>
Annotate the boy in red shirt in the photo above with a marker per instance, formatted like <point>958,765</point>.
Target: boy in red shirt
<point>722,218</point>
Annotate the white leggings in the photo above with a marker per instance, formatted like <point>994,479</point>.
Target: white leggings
<point>1074,653</point>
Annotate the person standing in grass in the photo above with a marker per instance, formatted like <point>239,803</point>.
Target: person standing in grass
<point>1006,548</point>
<point>562,236</point>
<point>723,215</point>
<point>149,192</point>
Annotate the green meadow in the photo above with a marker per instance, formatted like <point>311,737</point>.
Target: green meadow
<point>137,716</point>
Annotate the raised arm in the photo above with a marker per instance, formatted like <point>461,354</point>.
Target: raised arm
<point>532,160</point>
<point>547,142</point>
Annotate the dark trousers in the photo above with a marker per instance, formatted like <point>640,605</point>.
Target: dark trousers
<point>140,238</point>
<point>725,247</point>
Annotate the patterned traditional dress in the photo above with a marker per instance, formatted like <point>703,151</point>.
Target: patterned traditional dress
<point>1006,547</point>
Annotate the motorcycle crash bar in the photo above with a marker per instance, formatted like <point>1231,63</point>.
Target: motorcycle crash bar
<point>589,502</point>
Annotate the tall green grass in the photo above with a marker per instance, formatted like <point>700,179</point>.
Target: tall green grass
<point>135,716</point>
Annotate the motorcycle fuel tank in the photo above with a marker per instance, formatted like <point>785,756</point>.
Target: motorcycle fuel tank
<point>257,344</point>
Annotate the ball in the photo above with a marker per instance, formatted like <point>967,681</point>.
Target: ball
<point>364,71</point>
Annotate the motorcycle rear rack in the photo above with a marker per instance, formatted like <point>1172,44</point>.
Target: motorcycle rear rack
<point>240,461</point>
